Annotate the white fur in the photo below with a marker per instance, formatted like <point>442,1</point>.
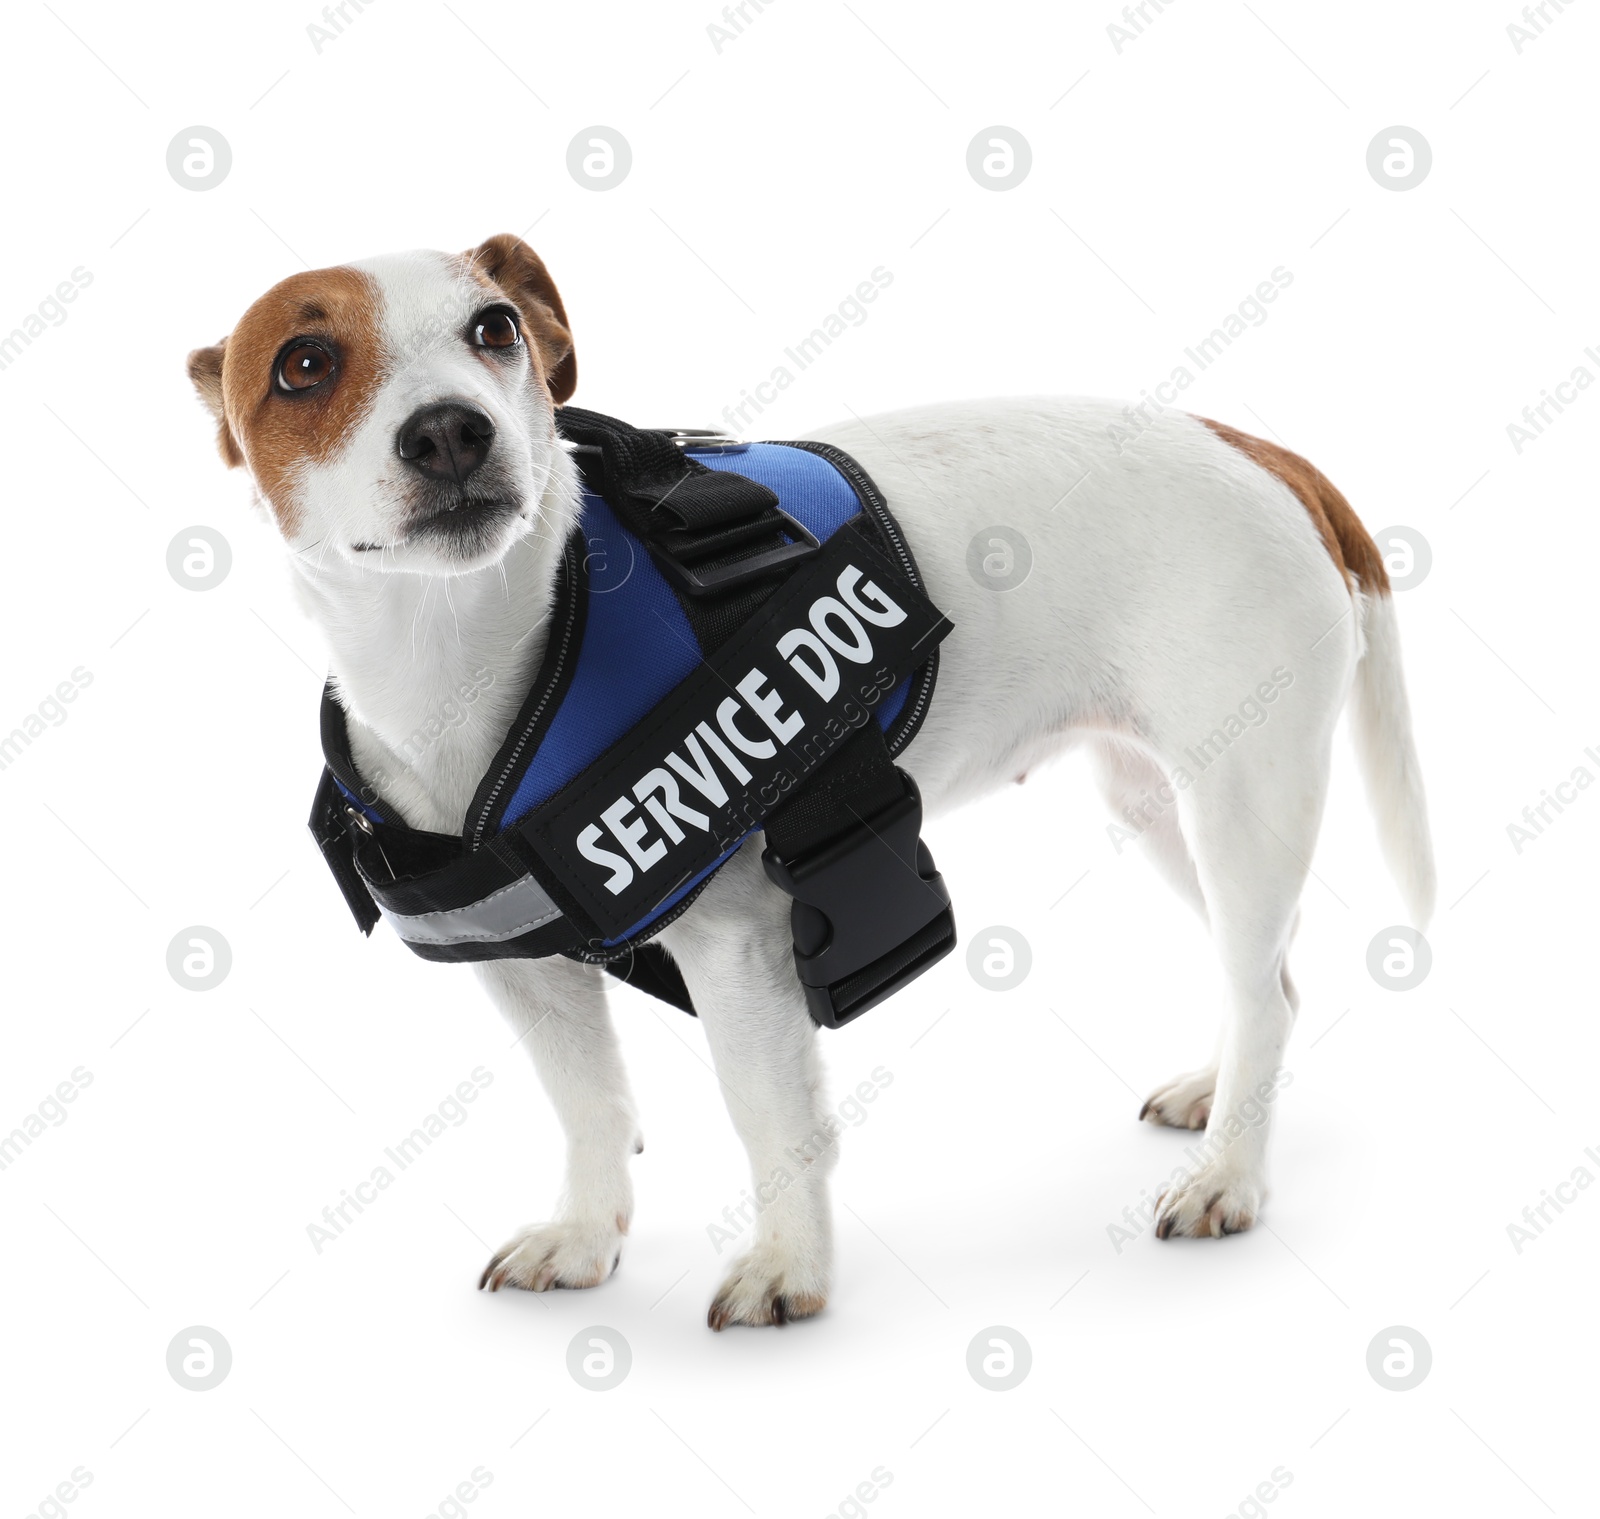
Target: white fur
<point>1381,725</point>
<point>1169,582</point>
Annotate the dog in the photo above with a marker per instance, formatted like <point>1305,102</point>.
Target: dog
<point>396,417</point>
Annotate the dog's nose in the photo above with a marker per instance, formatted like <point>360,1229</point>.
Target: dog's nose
<point>446,441</point>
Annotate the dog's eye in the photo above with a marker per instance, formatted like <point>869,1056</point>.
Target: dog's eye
<point>496,329</point>
<point>303,366</point>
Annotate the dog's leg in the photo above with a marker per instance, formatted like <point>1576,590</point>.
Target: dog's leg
<point>1144,800</point>
<point>1253,820</point>
<point>736,954</point>
<point>1142,797</point>
<point>559,1010</point>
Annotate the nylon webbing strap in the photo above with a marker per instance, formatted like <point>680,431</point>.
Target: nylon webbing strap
<point>328,828</point>
<point>856,783</point>
<point>690,516</point>
<point>663,495</point>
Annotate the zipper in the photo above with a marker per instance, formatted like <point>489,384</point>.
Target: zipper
<point>574,567</point>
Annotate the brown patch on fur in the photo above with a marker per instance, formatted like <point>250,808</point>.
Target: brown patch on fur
<point>205,370</point>
<point>1348,543</point>
<point>259,424</point>
<point>507,264</point>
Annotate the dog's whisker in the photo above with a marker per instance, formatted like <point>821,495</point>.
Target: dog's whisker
<point>449,601</point>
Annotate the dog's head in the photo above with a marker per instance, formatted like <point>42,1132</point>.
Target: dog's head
<point>398,411</point>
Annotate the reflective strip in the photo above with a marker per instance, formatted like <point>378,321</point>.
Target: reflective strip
<point>504,914</point>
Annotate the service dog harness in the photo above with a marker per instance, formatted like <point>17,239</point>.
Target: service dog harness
<point>738,643</point>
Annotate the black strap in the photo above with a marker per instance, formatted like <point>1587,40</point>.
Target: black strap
<point>657,488</point>
<point>855,783</point>
<point>375,857</point>
<point>871,911</point>
<point>648,968</point>
<point>692,518</point>
<point>332,834</point>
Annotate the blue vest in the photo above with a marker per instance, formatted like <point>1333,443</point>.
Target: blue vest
<point>738,642</point>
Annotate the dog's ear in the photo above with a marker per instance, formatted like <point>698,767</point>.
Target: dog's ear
<point>521,273</point>
<point>205,370</point>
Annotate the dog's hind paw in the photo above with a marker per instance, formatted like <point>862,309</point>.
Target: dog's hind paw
<point>763,1290</point>
<point>1184,1102</point>
<point>544,1256</point>
<point>1212,1202</point>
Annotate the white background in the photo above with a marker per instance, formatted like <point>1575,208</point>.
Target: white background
<point>768,180</point>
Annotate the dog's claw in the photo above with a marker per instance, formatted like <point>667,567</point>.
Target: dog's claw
<point>488,1271</point>
<point>1230,1209</point>
<point>1183,1103</point>
<point>545,1256</point>
<point>757,1292</point>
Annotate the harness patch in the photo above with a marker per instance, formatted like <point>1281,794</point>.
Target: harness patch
<point>679,792</point>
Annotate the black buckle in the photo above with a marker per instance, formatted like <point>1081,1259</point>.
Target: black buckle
<point>707,440</point>
<point>871,911</point>
<point>725,577</point>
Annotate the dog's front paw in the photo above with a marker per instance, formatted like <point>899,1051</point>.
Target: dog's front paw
<point>1215,1201</point>
<point>762,1288</point>
<point>1184,1102</point>
<point>561,1254</point>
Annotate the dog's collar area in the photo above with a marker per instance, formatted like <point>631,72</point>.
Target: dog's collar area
<point>739,644</point>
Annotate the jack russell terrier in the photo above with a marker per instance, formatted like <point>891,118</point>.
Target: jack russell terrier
<point>1174,579</point>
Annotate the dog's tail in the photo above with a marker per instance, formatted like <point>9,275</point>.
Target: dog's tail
<point>1381,727</point>
<point>1381,719</point>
